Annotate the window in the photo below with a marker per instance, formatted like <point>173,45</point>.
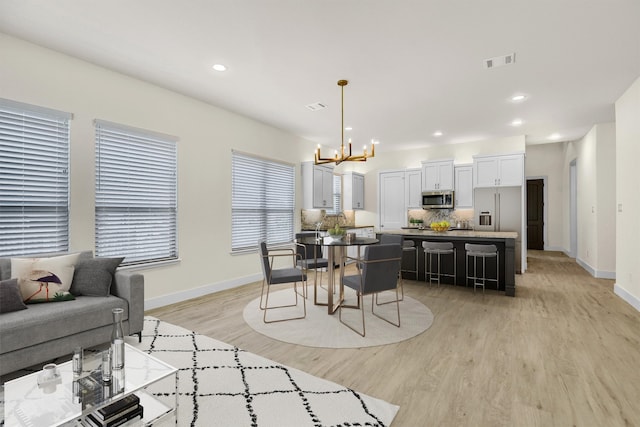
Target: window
<point>337,194</point>
<point>34,179</point>
<point>136,194</point>
<point>336,208</point>
<point>262,202</point>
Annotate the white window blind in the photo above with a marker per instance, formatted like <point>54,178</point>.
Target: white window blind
<point>262,202</point>
<point>136,194</point>
<point>337,194</point>
<point>34,179</point>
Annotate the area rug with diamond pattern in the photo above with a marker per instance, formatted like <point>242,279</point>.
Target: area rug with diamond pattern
<point>221,385</point>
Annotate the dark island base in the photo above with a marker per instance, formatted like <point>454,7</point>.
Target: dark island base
<point>506,250</point>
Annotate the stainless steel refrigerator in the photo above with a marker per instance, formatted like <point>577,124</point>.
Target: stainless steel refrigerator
<point>500,209</point>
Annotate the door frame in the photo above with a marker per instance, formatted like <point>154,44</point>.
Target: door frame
<point>545,203</point>
<point>573,208</point>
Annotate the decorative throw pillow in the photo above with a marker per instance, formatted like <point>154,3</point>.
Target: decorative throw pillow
<point>10,296</point>
<point>42,286</point>
<point>44,279</point>
<point>94,276</point>
<point>61,266</point>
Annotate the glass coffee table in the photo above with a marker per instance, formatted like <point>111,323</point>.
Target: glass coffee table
<point>70,398</point>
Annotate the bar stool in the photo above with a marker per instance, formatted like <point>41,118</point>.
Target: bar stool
<point>409,248</point>
<point>476,251</point>
<point>438,249</point>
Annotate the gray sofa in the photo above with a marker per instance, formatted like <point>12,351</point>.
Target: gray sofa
<point>46,331</point>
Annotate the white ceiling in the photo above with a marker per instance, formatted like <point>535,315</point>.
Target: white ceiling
<point>414,66</point>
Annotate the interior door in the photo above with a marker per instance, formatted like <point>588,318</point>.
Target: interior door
<point>535,214</point>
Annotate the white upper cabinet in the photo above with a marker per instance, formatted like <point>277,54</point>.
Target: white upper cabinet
<point>413,188</point>
<point>317,186</point>
<point>463,191</point>
<point>353,191</point>
<point>498,171</point>
<point>437,175</point>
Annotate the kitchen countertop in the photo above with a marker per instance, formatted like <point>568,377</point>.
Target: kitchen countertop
<point>455,233</point>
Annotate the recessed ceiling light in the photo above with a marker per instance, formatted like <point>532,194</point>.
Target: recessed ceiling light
<point>375,142</point>
<point>437,133</point>
<point>348,128</point>
<point>516,122</point>
<point>554,136</point>
<point>518,98</point>
<point>219,67</point>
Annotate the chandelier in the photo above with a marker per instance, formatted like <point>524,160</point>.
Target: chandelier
<point>345,154</point>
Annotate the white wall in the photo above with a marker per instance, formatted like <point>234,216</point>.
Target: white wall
<point>606,199</point>
<point>546,160</point>
<point>595,159</point>
<point>628,195</point>
<point>207,134</point>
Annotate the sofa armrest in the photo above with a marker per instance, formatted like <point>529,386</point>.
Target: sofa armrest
<point>130,286</point>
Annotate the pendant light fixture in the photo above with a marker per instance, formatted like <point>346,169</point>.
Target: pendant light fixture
<point>345,154</point>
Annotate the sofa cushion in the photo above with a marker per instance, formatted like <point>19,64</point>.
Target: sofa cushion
<point>62,267</point>
<point>46,322</point>
<point>10,296</point>
<point>5,263</point>
<point>94,276</point>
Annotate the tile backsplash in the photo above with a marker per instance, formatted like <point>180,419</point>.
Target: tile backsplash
<point>311,217</point>
<point>435,215</point>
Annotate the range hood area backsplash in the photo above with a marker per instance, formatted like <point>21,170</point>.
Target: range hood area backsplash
<point>436,215</point>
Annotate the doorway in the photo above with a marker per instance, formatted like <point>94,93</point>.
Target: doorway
<point>535,214</point>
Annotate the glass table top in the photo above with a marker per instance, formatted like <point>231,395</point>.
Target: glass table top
<point>67,397</point>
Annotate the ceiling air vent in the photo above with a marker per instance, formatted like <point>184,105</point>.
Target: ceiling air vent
<point>316,106</point>
<point>499,61</point>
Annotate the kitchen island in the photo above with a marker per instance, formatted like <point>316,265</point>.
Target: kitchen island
<point>504,240</point>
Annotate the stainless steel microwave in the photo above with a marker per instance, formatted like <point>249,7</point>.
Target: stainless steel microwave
<point>437,199</point>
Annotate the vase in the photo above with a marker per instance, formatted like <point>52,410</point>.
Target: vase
<point>117,340</point>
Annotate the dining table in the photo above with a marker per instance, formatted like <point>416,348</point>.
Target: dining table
<point>335,252</point>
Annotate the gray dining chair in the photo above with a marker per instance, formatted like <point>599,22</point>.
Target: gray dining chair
<point>379,270</point>
<point>310,258</point>
<point>396,239</point>
<point>275,276</point>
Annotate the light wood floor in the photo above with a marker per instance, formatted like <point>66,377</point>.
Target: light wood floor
<point>564,352</point>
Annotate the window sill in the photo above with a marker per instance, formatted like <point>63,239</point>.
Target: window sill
<point>148,265</point>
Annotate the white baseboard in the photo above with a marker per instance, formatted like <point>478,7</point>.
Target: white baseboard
<point>600,274</point>
<point>556,249</point>
<point>164,300</point>
<point>626,296</point>
<point>586,266</point>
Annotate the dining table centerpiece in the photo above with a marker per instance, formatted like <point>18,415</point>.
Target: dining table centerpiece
<point>337,232</point>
